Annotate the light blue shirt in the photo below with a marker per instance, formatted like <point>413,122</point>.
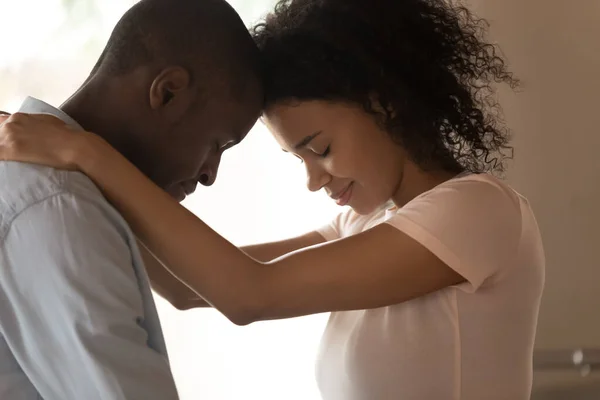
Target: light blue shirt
<point>77,316</point>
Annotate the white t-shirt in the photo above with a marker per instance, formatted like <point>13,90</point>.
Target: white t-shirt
<point>473,341</point>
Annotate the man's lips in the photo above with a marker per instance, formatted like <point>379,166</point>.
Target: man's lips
<point>181,190</point>
<point>177,193</point>
<point>189,187</point>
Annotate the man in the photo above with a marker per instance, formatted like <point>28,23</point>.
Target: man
<point>178,82</point>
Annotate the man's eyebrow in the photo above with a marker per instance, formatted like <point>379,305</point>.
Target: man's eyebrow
<point>304,142</point>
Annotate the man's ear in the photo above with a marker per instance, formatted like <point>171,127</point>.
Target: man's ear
<point>171,93</point>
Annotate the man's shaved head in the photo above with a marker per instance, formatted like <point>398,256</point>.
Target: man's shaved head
<point>178,83</point>
<point>205,36</point>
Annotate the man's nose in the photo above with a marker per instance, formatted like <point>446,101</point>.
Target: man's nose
<point>208,174</point>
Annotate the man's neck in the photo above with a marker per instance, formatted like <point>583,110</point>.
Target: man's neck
<point>90,108</point>
<point>106,107</point>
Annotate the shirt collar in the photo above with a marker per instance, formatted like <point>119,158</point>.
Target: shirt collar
<point>32,105</point>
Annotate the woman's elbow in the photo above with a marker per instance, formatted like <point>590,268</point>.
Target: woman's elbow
<point>244,314</point>
<point>246,310</point>
<point>182,304</point>
<point>249,301</point>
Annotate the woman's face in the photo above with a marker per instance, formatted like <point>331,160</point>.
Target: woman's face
<point>344,150</point>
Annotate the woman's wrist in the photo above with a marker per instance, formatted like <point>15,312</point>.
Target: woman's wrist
<point>89,151</point>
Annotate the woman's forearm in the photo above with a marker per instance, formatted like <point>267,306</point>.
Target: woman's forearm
<point>266,252</point>
<point>224,275</point>
<point>167,285</point>
<point>183,298</point>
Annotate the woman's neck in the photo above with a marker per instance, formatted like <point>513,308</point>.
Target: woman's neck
<point>416,181</point>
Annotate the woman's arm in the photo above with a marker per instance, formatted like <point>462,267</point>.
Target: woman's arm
<point>266,252</point>
<point>29,147</point>
<point>183,298</point>
<point>380,267</point>
<point>167,285</point>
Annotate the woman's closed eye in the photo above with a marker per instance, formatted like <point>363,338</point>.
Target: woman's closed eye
<point>325,152</point>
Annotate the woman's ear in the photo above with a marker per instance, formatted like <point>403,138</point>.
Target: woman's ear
<point>377,106</point>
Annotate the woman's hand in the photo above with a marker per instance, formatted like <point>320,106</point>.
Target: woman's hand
<point>42,139</point>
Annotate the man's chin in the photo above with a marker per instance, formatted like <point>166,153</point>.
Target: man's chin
<point>177,193</point>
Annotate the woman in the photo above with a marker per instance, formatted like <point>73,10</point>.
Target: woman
<point>434,276</point>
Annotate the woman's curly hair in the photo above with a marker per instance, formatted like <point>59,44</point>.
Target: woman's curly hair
<point>422,67</point>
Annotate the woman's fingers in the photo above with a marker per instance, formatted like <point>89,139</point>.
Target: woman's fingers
<point>16,133</point>
<point>20,126</point>
<point>31,122</point>
<point>36,120</point>
<point>37,138</point>
<point>47,118</point>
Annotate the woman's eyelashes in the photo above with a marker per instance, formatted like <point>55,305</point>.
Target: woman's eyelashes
<point>325,152</point>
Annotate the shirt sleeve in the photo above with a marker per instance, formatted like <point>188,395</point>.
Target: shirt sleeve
<point>331,230</point>
<point>472,225</point>
<point>336,229</point>
<point>72,309</point>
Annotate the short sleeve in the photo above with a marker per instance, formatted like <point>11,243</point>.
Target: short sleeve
<point>473,225</point>
<point>331,230</point>
<point>337,228</point>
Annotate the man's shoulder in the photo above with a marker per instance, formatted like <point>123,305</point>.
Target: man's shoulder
<point>23,185</point>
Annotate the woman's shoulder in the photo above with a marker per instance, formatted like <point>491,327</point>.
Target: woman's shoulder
<point>466,201</point>
<point>474,223</point>
<point>478,190</point>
